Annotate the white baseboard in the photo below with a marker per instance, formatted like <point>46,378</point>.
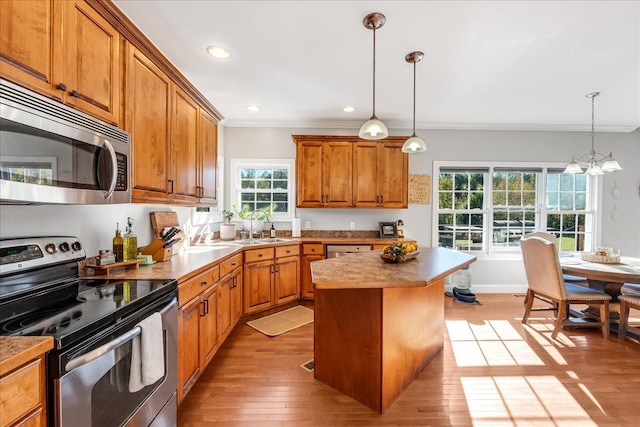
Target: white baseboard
<point>493,289</point>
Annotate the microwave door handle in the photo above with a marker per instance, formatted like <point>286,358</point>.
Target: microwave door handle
<point>114,163</point>
<point>111,345</point>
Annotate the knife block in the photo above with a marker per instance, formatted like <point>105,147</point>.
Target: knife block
<point>157,250</point>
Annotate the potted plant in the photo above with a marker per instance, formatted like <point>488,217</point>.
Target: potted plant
<point>259,216</point>
<point>228,228</point>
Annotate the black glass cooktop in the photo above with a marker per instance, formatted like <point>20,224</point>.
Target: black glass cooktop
<point>72,310</point>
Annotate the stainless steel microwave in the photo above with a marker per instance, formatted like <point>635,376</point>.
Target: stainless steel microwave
<point>51,153</point>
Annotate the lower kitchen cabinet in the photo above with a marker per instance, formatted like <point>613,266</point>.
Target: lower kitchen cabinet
<point>22,403</point>
<point>271,277</point>
<point>310,253</point>
<point>197,327</point>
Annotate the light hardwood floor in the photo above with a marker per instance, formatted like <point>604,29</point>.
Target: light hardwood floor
<point>493,371</point>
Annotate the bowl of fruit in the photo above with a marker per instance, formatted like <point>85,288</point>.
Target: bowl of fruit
<point>397,252</point>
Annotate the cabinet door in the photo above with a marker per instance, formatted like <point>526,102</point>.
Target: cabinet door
<point>208,326</point>
<point>258,286</point>
<point>189,345</point>
<point>306,290</point>
<point>338,177</point>
<point>208,152</point>
<point>393,175</point>
<point>236,295</point>
<point>365,174</point>
<point>287,279</point>
<point>185,165</point>
<point>224,306</point>
<point>92,62</point>
<point>309,174</point>
<point>30,31</point>
<point>147,120</point>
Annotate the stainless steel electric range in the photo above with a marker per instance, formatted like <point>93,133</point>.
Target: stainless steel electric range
<point>92,322</point>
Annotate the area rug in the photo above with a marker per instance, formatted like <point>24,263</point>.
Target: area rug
<point>284,321</point>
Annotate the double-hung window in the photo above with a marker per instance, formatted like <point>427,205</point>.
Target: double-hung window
<point>263,184</point>
<point>489,207</point>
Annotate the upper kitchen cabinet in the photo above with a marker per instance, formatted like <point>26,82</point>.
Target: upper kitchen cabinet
<point>148,109</point>
<point>323,171</point>
<point>380,174</point>
<point>64,50</point>
<point>346,171</point>
<point>208,158</point>
<point>184,182</point>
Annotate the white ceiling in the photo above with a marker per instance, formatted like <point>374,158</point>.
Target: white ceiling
<point>487,65</point>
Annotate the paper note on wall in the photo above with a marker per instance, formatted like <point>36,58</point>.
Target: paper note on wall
<point>420,189</point>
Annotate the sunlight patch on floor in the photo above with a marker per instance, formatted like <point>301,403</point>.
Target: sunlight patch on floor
<point>502,399</point>
<point>493,343</point>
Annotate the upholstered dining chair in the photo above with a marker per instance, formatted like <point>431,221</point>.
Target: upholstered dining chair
<point>630,298</point>
<point>568,278</point>
<point>544,278</point>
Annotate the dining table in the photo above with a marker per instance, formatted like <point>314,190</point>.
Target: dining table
<point>605,277</point>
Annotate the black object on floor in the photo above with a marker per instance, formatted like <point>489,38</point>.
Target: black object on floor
<point>463,296</point>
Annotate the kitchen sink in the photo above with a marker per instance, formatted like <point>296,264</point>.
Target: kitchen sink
<point>259,241</point>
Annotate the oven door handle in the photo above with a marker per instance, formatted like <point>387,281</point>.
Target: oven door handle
<point>111,345</point>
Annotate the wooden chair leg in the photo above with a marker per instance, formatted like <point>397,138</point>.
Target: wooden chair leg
<point>624,319</point>
<point>604,318</point>
<point>560,318</point>
<point>529,304</point>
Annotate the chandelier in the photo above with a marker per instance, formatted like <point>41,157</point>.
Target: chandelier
<point>595,163</point>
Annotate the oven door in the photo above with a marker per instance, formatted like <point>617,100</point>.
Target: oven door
<point>95,389</point>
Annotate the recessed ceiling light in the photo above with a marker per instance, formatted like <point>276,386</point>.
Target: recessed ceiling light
<point>349,109</point>
<point>253,108</point>
<point>218,52</point>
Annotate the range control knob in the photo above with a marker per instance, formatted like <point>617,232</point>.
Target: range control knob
<point>50,248</point>
<point>76,246</point>
<point>64,247</point>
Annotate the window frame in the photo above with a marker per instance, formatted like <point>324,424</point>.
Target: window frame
<point>235,188</point>
<point>540,209</point>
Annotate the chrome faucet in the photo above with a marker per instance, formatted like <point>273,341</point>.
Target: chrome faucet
<point>251,217</point>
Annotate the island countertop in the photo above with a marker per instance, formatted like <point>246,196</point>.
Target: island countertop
<point>368,270</point>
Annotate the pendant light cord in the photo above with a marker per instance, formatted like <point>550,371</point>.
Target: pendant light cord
<point>374,71</point>
<point>593,119</point>
<point>414,98</point>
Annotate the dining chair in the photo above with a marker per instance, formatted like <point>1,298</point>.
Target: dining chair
<point>630,298</point>
<point>544,278</point>
<point>568,278</point>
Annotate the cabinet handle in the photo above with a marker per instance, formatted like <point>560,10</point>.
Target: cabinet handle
<point>381,199</point>
<point>203,283</point>
<point>207,305</point>
<point>233,264</point>
<point>288,251</point>
<point>170,181</point>
<point>62,87</point>
<point>74,93</point>
<point>203,312</point>
<point>259,255</point>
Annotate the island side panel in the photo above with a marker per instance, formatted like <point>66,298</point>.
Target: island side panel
<point>412,335</point>
<point>348,342</point>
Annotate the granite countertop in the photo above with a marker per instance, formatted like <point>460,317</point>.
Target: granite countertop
<point>16,351</point>
<point>368,270</point>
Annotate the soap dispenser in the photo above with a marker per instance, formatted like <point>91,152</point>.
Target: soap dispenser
<point>130,242</point>
<point>272,231</point>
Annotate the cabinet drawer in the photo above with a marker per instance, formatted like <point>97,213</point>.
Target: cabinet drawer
<point>195,285</point>
<point>258,254</point>
<point>228,265</point>
<point>313,249</point>
<point>21,392</point>
<point>290,250</point>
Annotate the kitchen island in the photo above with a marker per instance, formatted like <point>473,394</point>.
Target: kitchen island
<point>378,325</point>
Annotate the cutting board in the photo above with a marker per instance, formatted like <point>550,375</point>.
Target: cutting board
<point>162,220</point>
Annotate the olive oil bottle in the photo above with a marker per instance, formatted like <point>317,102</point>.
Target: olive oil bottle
<point>130,242</point>
<point>118,245</point>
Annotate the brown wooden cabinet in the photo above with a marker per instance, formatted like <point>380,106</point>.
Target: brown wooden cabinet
<point>23,397</point>
<point>197,327</point>
<point>207,159</point>
<point>323,172</point>
<point>310,253</point>
<point>148,108</point>
<point>64,50</point>
<point>184,181</point>
<point>271,277</point>
<point>345,171</point>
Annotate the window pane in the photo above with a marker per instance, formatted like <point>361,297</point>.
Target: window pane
<point>280,185</point>
<point>263,197</point>
<point>445,201</point>
<point>250,197</point>
<point>280,197</point>
<point>247,184</point>
<point>264,184</point>
<point>566,201</point>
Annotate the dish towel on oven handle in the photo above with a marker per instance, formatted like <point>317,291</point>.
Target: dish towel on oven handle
<point>147,354</point>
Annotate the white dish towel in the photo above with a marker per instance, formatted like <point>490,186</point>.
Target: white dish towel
<point>147,354</point>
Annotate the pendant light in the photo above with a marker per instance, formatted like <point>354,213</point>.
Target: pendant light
<point>609,164</point>
<point>373,128</point>
<point>415,144</point>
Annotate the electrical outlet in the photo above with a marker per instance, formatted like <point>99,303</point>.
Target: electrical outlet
<point>352,225</point>
<point>307,224</point>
